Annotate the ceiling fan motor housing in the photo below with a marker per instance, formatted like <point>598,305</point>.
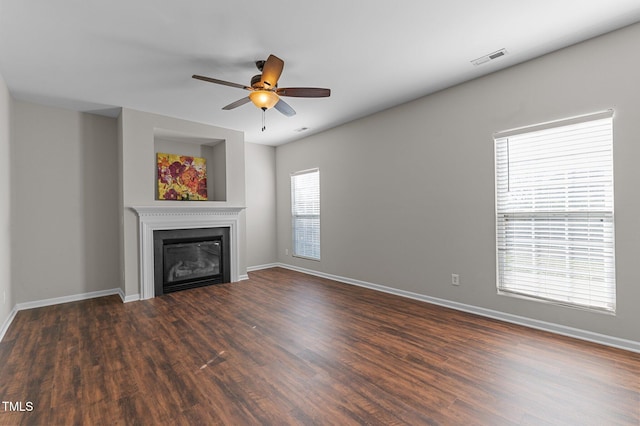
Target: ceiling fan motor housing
<point>256,81</point>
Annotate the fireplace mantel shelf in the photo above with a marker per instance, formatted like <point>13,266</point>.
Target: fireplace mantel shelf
<point>153,218</point>
<point>184,210</point>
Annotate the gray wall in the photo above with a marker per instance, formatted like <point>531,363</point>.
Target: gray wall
<point>408,194</point>
<point>6,297</point>
<point>64,208</point>
<point>261,204</point>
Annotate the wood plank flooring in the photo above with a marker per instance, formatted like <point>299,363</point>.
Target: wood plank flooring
<point>284,348</point>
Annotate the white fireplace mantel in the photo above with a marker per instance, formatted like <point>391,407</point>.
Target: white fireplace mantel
<point>153,218</point>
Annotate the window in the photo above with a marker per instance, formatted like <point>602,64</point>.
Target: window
<point>554,212</point>
<point>305,206</point>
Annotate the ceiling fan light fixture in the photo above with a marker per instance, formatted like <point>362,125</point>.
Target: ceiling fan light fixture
<point>264,99</point>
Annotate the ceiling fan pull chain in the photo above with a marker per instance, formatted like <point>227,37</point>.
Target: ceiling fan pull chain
<point>264,126</point>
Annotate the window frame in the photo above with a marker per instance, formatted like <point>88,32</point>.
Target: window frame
<point>294,216</point>
<point>607,304</point>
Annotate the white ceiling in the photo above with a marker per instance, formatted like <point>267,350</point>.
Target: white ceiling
<point>91,55</point>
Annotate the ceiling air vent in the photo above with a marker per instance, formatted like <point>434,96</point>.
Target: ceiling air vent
<point>489,57</point>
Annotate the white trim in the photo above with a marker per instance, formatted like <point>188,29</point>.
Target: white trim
<point>554,123</point>
<point>8,322</point>
<point>127,299</point>
<point>616,342</point>
<point>303,172</point>
<point>243,277</point>
<point>66,299</point>
<point>152,218</point>
<point>260,267</point>
<point>54,301</point>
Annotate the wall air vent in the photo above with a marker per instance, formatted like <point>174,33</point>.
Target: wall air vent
<point>491,56</point>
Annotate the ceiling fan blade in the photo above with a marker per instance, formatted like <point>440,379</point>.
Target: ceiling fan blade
<point>237,103</point>
<point>304,92</point>
<point>224,83</point>
<point>285,108</point>
<point>271,71</point>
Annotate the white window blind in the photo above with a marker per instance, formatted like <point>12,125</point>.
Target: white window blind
<point>305,204</point>
<point>554,206</point>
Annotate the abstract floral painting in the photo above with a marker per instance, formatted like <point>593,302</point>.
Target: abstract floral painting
<point>181,177</point>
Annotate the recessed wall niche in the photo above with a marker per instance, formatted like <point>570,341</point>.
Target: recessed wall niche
<point>213,150</point>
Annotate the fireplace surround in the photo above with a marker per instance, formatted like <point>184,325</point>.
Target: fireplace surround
<point>157,218</point>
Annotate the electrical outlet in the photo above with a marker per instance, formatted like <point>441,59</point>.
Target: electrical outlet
<point>455,279</point>
<point>286,252</point>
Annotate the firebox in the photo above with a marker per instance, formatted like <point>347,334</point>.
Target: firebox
<point>189,258</point>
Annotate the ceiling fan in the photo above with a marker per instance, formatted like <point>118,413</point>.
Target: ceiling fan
<point>264,90</point>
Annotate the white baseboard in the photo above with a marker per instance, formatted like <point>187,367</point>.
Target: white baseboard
<point>127,299</point>
<point>8,322</point>
<point>66,299</point>
<point>590,336</point>
<point>259,267</point>
<point>54,301</point>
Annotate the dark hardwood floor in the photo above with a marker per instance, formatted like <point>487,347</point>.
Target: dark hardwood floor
<point>287,348</point>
